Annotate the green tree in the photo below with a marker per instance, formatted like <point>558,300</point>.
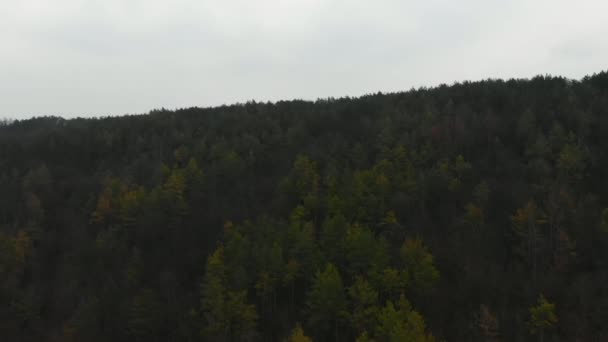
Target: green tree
<point>326,302</point>
<point>526,230</point>
<point>364,305</point>
<point>290,278</point>
<point>542,317</point>
<point>401,323</point>
<point>84,325</point>
<point>304,182</point>
<point>242,317</point>
<point>145,317</point>
<point>571,162</point>
<point>364,337</point>
<point>474,217</point>
<point>213,298</point>
<point>363,251</point>
<point>418,263</point>
<point>604,221</point>
<point>391,282</point>
<point>301,243</point>
<point>226,313</point>
<point>332,238</point>
<point>297,335</point>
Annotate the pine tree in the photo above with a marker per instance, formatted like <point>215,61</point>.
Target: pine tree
<point>542,317</point>
<point>226,314</point>
<point>418,263</point>
<point>364,303</point>
<point>213,298</point>
<point>326,302</point>
<point>401,323</point>
<point>297,335</point>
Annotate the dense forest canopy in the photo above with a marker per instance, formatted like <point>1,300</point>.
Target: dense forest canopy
<point>470,212</point>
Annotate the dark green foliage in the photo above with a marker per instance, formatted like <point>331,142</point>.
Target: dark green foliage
<point>385,217</point>
<point>542,317</point>
<point>327,303</point>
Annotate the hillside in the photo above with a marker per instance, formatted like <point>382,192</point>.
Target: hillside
<point>469,212</point>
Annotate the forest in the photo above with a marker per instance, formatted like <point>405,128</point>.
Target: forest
<point>476,211</point>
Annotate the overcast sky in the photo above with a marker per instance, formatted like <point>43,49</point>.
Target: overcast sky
<point>111,57</point>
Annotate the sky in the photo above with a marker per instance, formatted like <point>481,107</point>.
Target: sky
<point>112,57</point>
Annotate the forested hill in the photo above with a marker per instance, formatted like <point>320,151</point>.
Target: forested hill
<point>470,212</point>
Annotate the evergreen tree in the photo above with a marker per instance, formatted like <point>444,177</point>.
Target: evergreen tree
<point>326,303</point>
<point>542,317</point>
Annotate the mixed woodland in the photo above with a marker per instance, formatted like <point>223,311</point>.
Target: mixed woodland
<point>475,211</point>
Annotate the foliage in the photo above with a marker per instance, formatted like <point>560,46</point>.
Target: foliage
<point>326,302</point>
<point>542,316</point>
<point>297,335</point>
<point>388,216</point>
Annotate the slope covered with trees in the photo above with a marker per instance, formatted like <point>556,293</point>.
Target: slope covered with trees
<point>475,211</point>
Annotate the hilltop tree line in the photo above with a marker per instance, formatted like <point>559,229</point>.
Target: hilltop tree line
<point>470,212</point>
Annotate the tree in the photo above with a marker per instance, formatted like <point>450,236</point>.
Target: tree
<point>392,282</point>
<point>542,317</point>
<point>304,183</point>
<point>84,325</point>
<point>297,335</point>
<point>106,223</point>
<point>526,230</point>
<point>364,305</point>
<point>145,317</point>
<point>487,324</point>
<point>266,287</point>
<point>364,337</point>
<point>326,302</point>
<point>418,263</point>
<point>331,240</point>
<point>292,273</point>
<point>474,217</point>
<point>565,251</point>
<point>302,246</point>
<point>363,251</point>
<point>571,162</point>
<point>604,221</point>
<point>226,313</point>
<point>213,297</point>
<point>526,125</point>
<point>401,323</point>
<point>242,317</point>
<point>173,195</point>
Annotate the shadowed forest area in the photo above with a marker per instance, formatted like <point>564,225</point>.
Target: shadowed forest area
<point>469,212</point>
